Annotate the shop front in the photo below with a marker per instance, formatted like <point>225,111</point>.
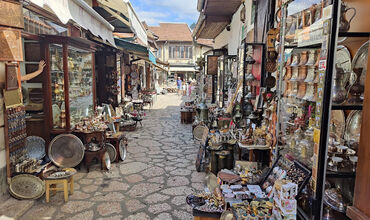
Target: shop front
<point>278,133</point>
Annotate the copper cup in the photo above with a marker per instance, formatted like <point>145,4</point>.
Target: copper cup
<point>288,72</point>
<point>302,73</point>
<point>317,58</point>
<point>304,58</point>
<point>301,90</point>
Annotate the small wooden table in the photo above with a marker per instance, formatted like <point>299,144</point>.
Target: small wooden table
<point>115,140</point>
<point>251,149</point>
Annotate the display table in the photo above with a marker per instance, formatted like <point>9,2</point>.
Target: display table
<point>251,149</point>
<point>115,140</point>
<point>187,116</point>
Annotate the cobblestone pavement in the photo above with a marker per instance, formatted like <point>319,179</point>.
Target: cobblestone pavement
<point>152,183</point>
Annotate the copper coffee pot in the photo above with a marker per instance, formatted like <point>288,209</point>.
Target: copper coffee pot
<point>344,23</point>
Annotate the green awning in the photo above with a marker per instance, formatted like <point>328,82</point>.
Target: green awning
<point>131,47</point>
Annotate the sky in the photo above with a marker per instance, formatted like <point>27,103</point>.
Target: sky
<point>155,11</point>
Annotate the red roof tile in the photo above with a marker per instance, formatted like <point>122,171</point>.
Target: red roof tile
<point>172,32</point>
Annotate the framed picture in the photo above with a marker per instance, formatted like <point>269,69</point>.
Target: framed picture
<point>11,76</point>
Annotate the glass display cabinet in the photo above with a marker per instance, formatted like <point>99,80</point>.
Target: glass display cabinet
<point>69,82</point>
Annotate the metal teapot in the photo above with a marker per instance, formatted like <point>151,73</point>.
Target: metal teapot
<point>344,25</point>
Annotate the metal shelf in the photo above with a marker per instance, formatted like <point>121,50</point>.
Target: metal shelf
<point>346,107</point>
<point>332,174</point>
<point>354,34</point>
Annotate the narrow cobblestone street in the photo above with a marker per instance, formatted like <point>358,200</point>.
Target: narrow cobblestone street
<point>152,183</point>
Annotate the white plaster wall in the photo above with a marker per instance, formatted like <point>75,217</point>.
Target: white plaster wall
<point>232,38</point>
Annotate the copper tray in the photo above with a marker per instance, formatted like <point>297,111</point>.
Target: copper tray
<point>66,150</point>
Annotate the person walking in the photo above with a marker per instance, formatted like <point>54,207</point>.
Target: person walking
<point>179,85</point>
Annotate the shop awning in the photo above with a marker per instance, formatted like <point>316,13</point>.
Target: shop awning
<point>81,13</point>
<point>183,69</point>
<point>152,57</point>
<point>156,65</point>
<point>214,17</point>
<point>115,12</point>
<point>131,47</point>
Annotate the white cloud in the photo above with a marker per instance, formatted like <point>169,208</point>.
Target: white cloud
<point>155,11</point>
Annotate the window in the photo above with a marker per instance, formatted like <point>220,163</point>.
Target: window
<point>180,52</point>
<point>158,53</point>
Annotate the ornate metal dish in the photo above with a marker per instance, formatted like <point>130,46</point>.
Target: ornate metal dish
<point>111,151</point>
<point>35,147</point>
<point>360,61</point>
<point>353,127</point>
<point>334,199</point>
<point>60,173</point>
<point>122,150</point>
<point>106,159</point>
<point>26,186</point>
<point>337,123</point>
<point>343,60</point>
<point>66,150</point>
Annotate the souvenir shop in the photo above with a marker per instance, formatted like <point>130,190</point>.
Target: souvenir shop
<point>280,124</point>
<point>71,113</point>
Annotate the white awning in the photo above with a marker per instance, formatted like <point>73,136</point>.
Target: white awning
<point>182,69</point>
<point>81,13</point>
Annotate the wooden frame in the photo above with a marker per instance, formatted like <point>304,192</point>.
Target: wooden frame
<point>46,40</point>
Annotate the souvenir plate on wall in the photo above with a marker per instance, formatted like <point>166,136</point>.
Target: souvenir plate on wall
<point>66,150</point>
<point>35,147</point>
<point>26,186</point>
<point>111,151</point>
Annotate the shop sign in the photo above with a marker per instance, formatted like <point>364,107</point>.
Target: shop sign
<point>212,65</point>
<point>11,14</point>
<point>11,45</point>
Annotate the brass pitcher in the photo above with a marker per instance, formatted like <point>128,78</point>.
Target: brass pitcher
<point>344,24</point>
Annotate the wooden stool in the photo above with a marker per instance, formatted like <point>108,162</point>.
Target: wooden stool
<point>51,185</point>
<point>91,155</point>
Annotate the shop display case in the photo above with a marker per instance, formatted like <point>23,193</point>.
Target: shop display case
<point>70,82</point>
<point>320,95</point>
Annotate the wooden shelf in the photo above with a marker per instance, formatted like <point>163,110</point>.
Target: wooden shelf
<point>346,107</point>
<point>354,34</point>
<point>332,174</point>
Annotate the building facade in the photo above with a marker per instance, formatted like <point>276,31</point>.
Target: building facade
<point>176,46</point>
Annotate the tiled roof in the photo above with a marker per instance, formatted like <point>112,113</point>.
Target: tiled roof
<point>172,32</point>
<point>207,42</point>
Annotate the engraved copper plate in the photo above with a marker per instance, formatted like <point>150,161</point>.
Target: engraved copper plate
<point>11,45</point>
<point>26,186</point>
<point>11,14</point>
